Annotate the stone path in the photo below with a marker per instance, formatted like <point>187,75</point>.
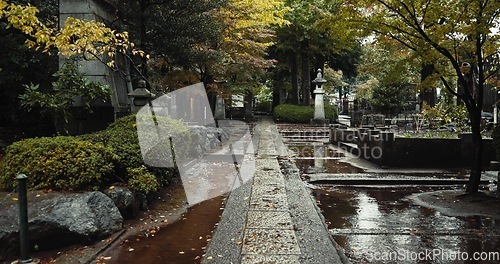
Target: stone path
<point>272,218</point>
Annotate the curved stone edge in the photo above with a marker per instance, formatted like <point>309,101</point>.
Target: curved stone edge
<point>315,241</point>
<point>449,208</point>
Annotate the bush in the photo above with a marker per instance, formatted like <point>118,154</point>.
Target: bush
<point>90,162</point>
<point>122,137</point>
<point>300,114</point>
<point>62,163</point>
<point>141,180</point>
<point>264,107</point>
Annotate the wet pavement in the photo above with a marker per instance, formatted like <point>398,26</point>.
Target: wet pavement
<point>273,218</point>
<point>364,221</point>
<point>373,212</point>
<point>294,211</point>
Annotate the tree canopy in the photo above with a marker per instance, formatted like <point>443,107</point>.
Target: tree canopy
<point>459,39</point>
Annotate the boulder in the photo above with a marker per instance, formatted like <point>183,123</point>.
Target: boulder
<point>126,201</point>
<point>60,220</point>
<point>205,139</point>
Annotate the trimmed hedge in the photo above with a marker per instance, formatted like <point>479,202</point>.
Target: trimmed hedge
<point>288,113</point>
<point>122,137</point>
<point>61,163</point>
<point>91,161</point>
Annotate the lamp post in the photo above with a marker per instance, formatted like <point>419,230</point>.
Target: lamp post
<point>140,96</point>
<point>319,103</point>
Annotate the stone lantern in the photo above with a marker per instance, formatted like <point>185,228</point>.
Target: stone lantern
<point>319,103</point>
<point>140,96</point>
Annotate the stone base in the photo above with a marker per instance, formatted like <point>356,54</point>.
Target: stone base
<point>320,121</point>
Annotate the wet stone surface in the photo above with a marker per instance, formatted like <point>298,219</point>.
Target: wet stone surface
<point>270,241</point>
<point>268,197</point>
<point>269,219</point>
<point>270,259</point>
<point>366,221</point>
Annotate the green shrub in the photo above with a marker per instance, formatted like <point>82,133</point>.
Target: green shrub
<point>141,180</point>
<point>264,107</point>
<point>122,137</point>
<point>91,161</point>
<point>300,114</point>
<point>62,163</point>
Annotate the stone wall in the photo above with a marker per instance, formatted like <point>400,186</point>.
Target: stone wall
<point>384,149</point>
<point>119,103</point>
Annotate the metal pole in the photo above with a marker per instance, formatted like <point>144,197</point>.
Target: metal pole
<point>23,219</point>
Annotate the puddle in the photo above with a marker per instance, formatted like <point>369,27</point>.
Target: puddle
<point>314,149</point>
<point>320,158</point>
<point>184,241</point>
<point>309,166</point>
<point>371,221</point>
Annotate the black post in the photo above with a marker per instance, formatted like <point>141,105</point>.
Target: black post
<point>23,219</point>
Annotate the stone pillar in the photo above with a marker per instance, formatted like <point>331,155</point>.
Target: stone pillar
<point>220,109</point>
<point>119,81</point>
<point>319,103</point>
<point>140,96</point>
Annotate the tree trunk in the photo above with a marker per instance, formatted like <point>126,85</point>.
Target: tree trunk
<point>248,103</point>
<point>295,79</point>
<point>427,95</point>
<point>477,145</point>
<point>306,77</point>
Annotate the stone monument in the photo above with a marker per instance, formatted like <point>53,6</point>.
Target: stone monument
<point>319,103</point>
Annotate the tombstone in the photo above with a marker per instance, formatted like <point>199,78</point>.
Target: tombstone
<point>319,102</point>
<point>119,82</point>
<point>220,108</point>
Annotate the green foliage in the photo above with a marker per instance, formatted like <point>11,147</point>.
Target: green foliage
<point>141,180</point>
<point>444,113</point>
<point>71,84</point>
<point>122,137</point>
<point>300,114</point>
<point>264,107</point>
<point>61,163</point>
<point>91,161</point>
<point>391,98</point>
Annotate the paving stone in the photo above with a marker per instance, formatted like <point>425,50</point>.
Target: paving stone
<point>270,241</point>
<point>269,219</point>
<point>269,259</point>
<point>269,180</point>
<point>268,197</point>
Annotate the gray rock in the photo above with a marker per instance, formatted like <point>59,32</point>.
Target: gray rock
<point>125,200</point>
<point>204,139</point>
<point>61,220</point>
